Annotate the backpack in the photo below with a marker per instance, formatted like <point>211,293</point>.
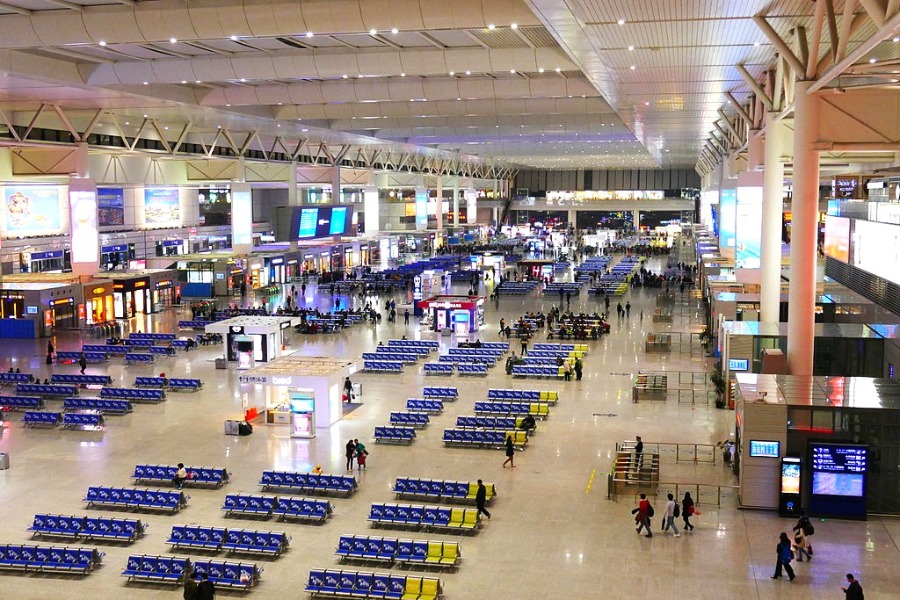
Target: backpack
<point>677,512</point>
<point>650,511</point>
<point>807,527</point>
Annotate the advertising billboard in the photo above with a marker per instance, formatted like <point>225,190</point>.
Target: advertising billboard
<point>110,206</point>
<point>242,217</point>
<point>31,208</point>
<point>162,206</point>
<point>85,235</point>
<point>748,227</point>
<point>727,218</point>
<point>837,238</point>
<point>876,249</point>
<point>321,221</point>
<point>421,210</point>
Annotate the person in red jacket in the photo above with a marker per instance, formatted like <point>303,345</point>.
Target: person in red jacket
<point>642,515</point>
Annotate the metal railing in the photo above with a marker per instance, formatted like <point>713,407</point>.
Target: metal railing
<point>696,453</point>
<point>702,493</point>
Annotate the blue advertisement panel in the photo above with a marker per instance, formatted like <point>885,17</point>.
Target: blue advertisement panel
<point>748,217</point>
<point>111,206</point>
<point>162,206</point>
<point>32,208</point>
<point>727,217</point>
<point>421,210</point>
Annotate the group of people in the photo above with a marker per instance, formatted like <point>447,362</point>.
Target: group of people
<point>356,450</point>
<point>645,511</point>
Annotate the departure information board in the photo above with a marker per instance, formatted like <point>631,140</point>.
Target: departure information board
<point>838,487</point>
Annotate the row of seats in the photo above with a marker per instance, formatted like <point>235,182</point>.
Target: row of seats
<point>136,498</point>
<point>363,584</point>
<point>538,371</point>
<point>136,394</point>
<point>40,389</point>
<point>230,540</point>
<point>81,420</point>
<point>423,405</point>
<point>427,552</point>
<point>139,357</point>
<point>309,482</point>
<point>438,368</point>
<point>417,350</point>
<point>554,353</point>
<point>441,393</point>
<point>472,368</point>
<point>215,476</point>
<point>194,324</point>
<point>404,357</point>
<point>489,422</point>
<point>430,344</point>
<point>17,402</point>
<point>8,378</point>
<point>33,418</point>
<point>491,438</point>
<point>174,569</point>
<point>105,349</point>
<point>538,410</point>
<point>79,379</point>
<point>133,342</point>
<point>74,356</point>
<point>172,383</point>
<point>127,530</point>
<point>103,405</point>
<point>565,288</point>
<point>513,287</point>
<point>158,337</point>
<point>549,396</point>
<point>479,352</point>
<point>282,506</point>
<point>561,347</point>
<point>441,488</point>
<point>30,557</point>
<point>409,419</point>
<point>457,359</point>
<point>395,435</point>
<point>438,517</point>
<point>383,366</point>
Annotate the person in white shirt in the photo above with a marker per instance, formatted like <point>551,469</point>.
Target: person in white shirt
<point>180,476</point>
<point>670,516</point>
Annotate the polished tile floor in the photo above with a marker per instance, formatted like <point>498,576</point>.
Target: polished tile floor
<point>553,534</point>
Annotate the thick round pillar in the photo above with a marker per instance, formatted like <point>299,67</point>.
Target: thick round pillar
<point>804,233</point>
<point>773,199</point>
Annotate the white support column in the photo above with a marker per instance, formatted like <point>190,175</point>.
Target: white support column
<point>636,216</point>
<point>293,196</point>
<point>456,205</point>
<point>804,233</point>
<point>773,192</point>
<point>573,218</point>
<point>336,184</point>
<point>439,197</point>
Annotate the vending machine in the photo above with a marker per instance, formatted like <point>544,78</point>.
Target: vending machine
<point>303,414</point>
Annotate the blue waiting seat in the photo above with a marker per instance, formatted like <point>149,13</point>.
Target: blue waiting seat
<point>367,547</point>
<point>139,357</point>
<point>308,482</point>
<point>72,356</point>
<point>472,369</point>
<point>113,528</point>
<point>359,584</point>
<point>222,573</point>
<point>13,378</point>
<point>163,569</point>
<point>116,350</point>
<point>101,405</point>
<point>195,324</point>
<point>157,337</point>
<point>484,438</point>
<point>197,536</point>
<point>137,343</point>
<point>448,394</point>
<point>177,384</point>
<point>158,351</point>
<point>395,435</point>
<point>438,368</point>
<point>17,402</point>
<point>443,489</point>
<point>51,390</point>
<point>83,419</point>
<point>252,504</point>
<point>62,559</point>
<point>256,542</point>
<point>303,508</point>
<point>79,379</point>
<point>425,405</point>
<point>34,418</point>
<point>409,419</point>
<point>413,515</point>
<point>57,525</point>
<point>133,394</point>
<point>145,499</point>
<point>383,366</point>
<point>215,476</point>
<point>151,382</point>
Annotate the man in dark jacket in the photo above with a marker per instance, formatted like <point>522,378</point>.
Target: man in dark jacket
<point>205,590</point>
<point>190,588</point>
<point>853,591</point>
<point>481,498</point>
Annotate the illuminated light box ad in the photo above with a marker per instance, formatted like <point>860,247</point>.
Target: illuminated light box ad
<point>727,217</point>
<point>421,210</point>
<point>162,206</point>
<point>85,234</point>
<point>876,249</point>
<point>31,208</point>
<point>321,221</point>
<point>748,228</point>
<point>110,206</point>
<point>241,215</point>
<point>837,238</point>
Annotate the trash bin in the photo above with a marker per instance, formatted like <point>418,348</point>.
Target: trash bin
<point>231,427</point>
<point>220,363</point>
<point>4,461</point>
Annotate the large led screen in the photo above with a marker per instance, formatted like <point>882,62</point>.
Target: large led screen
<point>876,249</point>
<point>321,221</point>
<point>837,238</point>
<point>31,209</point>
<point>839,470</point>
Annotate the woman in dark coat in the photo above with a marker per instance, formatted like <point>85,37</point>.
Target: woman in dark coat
<point>510,452</point>
<point>687,511</point>
<point>784,556</point>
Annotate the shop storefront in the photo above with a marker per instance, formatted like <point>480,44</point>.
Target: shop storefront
<point>162,285</point>
<point>292,268</point>
<point>98,305</point>
<point>461,315</point>
<point>111,257</point>
<point>171,247</point>
<point>276,268</point>
<point>62,313</point>
<point>337,258</point>
<point>132,297</point>
<point>12,304</point>
<point>51,261</point>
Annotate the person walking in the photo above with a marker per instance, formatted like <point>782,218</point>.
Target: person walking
<point>783,557</point>
<point>642,515</point>
<point>524,344</point>
<point>806,525</point>
<point>205,589</point>
<point>628,309</point>
<point>406,317</point>
<point>687,511</point>
<point>348,389</point>
<point>579,367</point>
<point>672,511</point>
<point>190,588</point>
<point>567,371</point>
<point>639,451</point>
<point>510,453</point>
<point>361,454</point>
<point>82,362</point>
<point>854,590</point>
<point>350,452</point>
<point>481,498</point>
<point>801,545</point>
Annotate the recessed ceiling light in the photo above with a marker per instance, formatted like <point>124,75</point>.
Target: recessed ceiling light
<point>897,39</point>
<point>198,81</point>
<point>452,73</point>
<point>873,60</point>
<point>646,103</point>
<point>280,103</point>
<point>373,32</point>
<point>360,76</point>
<point>128,122</point>
<point>234,38</point>
<point>146,83</point>
<point>514,26</point>
<point>756,44</point>
<point>344,76</point>
<point>633,67</point>
<point>304,130</point>
<point>631,48</point>
<point>184,81</point>
<point>309,34</point>
<point>102,42</point>
<point>621,21</point>
<point>468,72</point>
<point>558,70</point>
<point>491,26</point>
<point>513,71</point>
<point>145,116</point>
<point>541,70</point>
<point>402,74</point>
<point>228,105</point>
<point>243,79</point>
<point>166,128</point>
<point>395,31</point>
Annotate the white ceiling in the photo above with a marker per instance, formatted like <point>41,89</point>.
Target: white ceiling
<point>539,83</point>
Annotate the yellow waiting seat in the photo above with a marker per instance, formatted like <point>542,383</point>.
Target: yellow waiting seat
<point>470,519</point>
<point>457,515</point>
<point>450,555</point>
<point>473,489</point>
<point>553,396</point>
<point>435,552</point>
<point>539,409</point>
<point>413,588</point>
<point>519,424</point>
<point>431,588</point>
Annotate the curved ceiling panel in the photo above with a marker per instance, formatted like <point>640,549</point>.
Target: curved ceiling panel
<point>219,19</point>
<point>332,16</point>
<point>18,32</point>
<point>383,15</point>
<point>110,24</point>
<point>165,19</point>
<point>273,17</point>
<point>59,29</point>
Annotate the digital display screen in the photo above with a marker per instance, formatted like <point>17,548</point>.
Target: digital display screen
<point>738,364</point>
<point>790,476</point>
<point>321,221</point>
<point>876,249</point>
<point>837,238</point>
<point>765,449</point>
<point>839,470</point>
<point>308,219</point>
<point>338,223</point>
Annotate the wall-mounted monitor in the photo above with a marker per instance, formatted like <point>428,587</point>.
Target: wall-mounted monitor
<point>838,486</point>
<point>309,222</point>
<point>738,364</point>
<point>765,449</point>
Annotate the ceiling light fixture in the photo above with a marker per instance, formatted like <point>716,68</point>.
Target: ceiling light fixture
<point>102,42</point>
<point>309,34</point>
<point>234,38</point>
<point>558,70</point>
<point>873,60</point>
<point>243,79</point>
<point>631,48</point>
<point>402,74</point>
<point>198,81</point>
<point>491,26</point>
<point>452,73</point>
<point>541,70</point>
<point>172,40</point>
<point>468,72</point>
<point>395,31</point>
<point>633,67</point>
<point>146,83</point>
<point>344,76</point>
<point>513,71</point>
<point>514,26</point>
<point>896,39</point>
<point>373,32</point>
<point>184,81</point>
<point>621,21</point>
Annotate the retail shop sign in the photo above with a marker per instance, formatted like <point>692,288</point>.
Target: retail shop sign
<point>254,379</point>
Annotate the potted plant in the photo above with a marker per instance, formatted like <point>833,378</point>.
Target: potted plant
<point>717,378</point>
